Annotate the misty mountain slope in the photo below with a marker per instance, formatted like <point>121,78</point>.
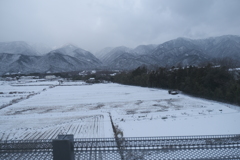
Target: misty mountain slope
<point>144,49</point>
<point>100,54</point>
<point>148,60</point>
<point>218,47</point>
<point>109,53</point>
<point>193,57</point>
<point>180,51</point>
<point>17,47</point>
<point>194,52</point>
<point>66,50</point>
<point>41,48</point>
<point>7,58</point>
<point>126,58</point>
<point>125,61</point>
<point>83,56</point>
<point>224,46</point>
<point>114,53</point>
<point>67,58</point>
<point>18,63</point>
<point>86,56</point>
<point>25,64</point>
<point>56,62</point>
<point>174,48</point>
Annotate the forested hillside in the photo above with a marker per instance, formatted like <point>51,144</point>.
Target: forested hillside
<point>217,83</point>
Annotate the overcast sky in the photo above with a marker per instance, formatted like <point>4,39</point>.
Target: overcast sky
<point>95,24</point>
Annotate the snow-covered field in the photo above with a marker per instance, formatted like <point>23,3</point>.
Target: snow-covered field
<point>83,110</point>
<point>10,91</point>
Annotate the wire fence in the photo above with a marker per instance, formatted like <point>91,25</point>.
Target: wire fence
<point>26,149</point>
<point>217,147</point>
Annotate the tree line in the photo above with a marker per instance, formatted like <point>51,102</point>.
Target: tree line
<point>212,82</point>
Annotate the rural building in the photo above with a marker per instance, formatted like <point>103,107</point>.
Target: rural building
<point>50,77</point>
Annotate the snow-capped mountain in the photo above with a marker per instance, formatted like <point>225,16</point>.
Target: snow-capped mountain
<point>20,57</point>
<point>221,47</point>
<point>194,52</point>
<point>180,51</point>
<point>67,49</point>
<point>115,53</point>
<point>15,63</point>
<point>126,58</point>
<point>56,62</point>
<point>17,47</point>
<point>66,58</point>
<point>100,54</point>
<point>81,55</point>
<point>144,49</point>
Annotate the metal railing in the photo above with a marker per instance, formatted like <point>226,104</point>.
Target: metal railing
<point>140,148</point>
<point>26,149</point>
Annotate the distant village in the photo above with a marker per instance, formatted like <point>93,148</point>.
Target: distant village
<point>90,76</point>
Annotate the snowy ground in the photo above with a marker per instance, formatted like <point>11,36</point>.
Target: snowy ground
<point>83,110</point>
<point>10,91</point>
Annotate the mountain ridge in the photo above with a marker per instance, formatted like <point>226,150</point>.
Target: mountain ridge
<point>180,51</point>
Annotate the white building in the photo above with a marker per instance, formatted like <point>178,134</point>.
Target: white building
<point>50,77</point>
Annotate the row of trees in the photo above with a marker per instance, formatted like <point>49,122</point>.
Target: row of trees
<point>217,83</point>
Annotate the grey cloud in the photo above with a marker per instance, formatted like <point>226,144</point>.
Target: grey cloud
<point>95,24</point>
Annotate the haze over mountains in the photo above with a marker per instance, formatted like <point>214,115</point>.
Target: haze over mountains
<point>171,53</point>
<point>17,47</point>
<point>20,57</point>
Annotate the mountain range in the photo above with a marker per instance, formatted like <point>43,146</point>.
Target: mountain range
<point>20,57</point>
<point>180,51</point>
<point>64,59</point>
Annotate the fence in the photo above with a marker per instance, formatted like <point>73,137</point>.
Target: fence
<point>26,150</point>
<point>175,148</point>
